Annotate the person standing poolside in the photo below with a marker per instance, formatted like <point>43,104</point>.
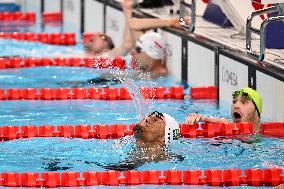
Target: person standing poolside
<point>246,107</point>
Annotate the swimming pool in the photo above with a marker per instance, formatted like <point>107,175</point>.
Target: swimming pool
<point>65,154</point>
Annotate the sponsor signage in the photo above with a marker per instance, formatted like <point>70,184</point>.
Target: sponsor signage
<point>201,65</point>
<point>232,76</point>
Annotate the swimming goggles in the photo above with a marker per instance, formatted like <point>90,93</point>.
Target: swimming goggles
<point>246,97</point>
<point>138,49</point>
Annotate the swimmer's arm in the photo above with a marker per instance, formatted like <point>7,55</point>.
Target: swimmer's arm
<point>215,120</point>
<point>152,23</point>
<point>281,186</point>
<point>194,118</point>
<point>127,44</point>
<point>128,37</point>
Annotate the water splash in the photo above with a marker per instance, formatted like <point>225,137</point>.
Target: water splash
<point>126,77</point>
<point>142,105</point>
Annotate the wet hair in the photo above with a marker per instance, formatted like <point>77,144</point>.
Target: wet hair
<point>156,113</point>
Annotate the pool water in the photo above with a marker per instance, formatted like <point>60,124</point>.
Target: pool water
<point>57,77</point>
<point>50,154</point>
<point>35,49</point>
<point>65,154</point>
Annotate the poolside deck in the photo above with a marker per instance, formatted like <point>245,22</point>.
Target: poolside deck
<point>226,38</point>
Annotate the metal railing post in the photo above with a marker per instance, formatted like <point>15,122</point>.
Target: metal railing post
<point>191,26</point>
<point>262,31</point>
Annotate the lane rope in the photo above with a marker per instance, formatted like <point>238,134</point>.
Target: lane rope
<point>108,93</point>
<point>101,62</point>
<point>66,38</point>
<point>27,17</point>
<point>211,177</point>
<point>114,131</point>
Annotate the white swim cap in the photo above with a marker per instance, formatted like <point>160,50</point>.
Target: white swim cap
<point>152,44</point>
<point>172,130</point>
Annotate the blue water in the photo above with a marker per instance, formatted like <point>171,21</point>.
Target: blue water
<point>59,154</point>
<point>35,49</point>
<point>64,154</point>
<point>56,77</point>
<point>95,111</point>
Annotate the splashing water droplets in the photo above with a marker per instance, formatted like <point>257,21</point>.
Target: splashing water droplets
<point>142,105</point>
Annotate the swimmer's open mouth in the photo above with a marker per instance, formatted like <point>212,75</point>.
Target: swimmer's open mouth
<point>237,117</point>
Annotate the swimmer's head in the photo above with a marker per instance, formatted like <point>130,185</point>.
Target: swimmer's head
<point>152,44</point>
<point>98,43</point>
<point>150,49</point>
<point>246,106</point>
<point>157,128</point>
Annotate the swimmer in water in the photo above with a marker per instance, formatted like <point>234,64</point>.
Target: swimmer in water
<point>246,107</point>
<point>148,50</point>
<point>144,52</point>
<point>149,55</point>
<point>153,135</point>
<point>102,44</point>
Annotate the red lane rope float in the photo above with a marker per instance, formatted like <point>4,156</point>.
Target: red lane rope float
<point>211,177</point>
<point>28,17</point>
<point>52,18</point>
<point>210,92</point>
<point>275,129</point>
<point>101,62</point>
<point>109,93</point>
<point>206,130</point>
<point>67,38</point>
